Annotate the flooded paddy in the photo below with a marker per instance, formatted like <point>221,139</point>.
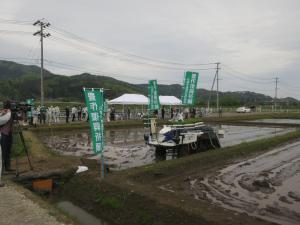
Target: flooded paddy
<point>238,134</point>
<point>278,121</point>
<point>126,148</point>
<point>266,186</point>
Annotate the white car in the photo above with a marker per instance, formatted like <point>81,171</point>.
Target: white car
<point>243,110</point>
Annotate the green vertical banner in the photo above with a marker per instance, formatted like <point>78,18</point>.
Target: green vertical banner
<point>30,103</point>
<point>153,96</point>
<point>105,106</point>
<point>95,105</point>
<point>189,90</point>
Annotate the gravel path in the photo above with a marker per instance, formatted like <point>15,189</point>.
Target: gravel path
<point>17,209</point>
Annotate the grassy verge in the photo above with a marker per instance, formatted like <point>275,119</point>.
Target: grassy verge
<point>17,147</point>
<point>139,123</point>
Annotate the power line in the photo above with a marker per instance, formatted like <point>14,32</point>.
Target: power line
<point>95,72</point>
<point>246,79</point>
<point>249,76</point>
<point>78,38</point>
<point>97,52</point>
<point>15,31</point>
<point>289,85</point>
<point>18,22</point>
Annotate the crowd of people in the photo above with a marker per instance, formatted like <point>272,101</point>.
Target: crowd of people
<point>168,113</point>
<point>77,113</point>
<point>53,114</point>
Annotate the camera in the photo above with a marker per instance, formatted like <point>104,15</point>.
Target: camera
<point>19,109</point>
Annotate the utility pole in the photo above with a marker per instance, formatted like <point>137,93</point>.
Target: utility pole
<point>276,90</point>
<point>217,75</point>
<point>212,87</point>
<point>42,25</point>
<point>211,90</point>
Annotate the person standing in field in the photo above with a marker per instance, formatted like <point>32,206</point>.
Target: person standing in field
<point>79,111</point>
<point>163,112</point>
<point>172,113</point>
<point>67,114</point>
<point>73,111</point>
<point>34,117</point>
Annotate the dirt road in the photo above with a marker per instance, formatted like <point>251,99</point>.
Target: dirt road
<point>17,208</point>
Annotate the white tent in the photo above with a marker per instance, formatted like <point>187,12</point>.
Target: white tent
<point>130,99</point>
<point>137,99</point>
<point>169,100</point>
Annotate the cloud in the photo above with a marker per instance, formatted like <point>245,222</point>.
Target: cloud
<point>259,39</point>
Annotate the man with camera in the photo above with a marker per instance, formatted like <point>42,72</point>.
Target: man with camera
<point>5,138</point>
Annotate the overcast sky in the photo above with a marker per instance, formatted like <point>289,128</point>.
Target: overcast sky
<point>254,40</point>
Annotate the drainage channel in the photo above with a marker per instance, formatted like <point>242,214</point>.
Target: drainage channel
<point>47,184</point>
<point>81,215</point>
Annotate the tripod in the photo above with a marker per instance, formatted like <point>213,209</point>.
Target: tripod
<point>19,131</point>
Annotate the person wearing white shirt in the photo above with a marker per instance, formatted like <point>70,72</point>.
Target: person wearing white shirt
<point>5,116</point>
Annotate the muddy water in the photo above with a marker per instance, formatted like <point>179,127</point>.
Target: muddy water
<point>125,148</point>
<point>266,186</point>
<point>237,134</point>
<point>279,121</point>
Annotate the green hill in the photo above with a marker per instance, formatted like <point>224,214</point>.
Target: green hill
<point>18,82</point>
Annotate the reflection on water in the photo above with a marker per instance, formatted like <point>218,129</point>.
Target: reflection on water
<point>126,148</point>
<point>238,134</point>
<point>279,121</point>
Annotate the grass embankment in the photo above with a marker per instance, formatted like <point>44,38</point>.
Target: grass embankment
<point>133,196</point>
<point>236,118</point>
<point>42,159</point>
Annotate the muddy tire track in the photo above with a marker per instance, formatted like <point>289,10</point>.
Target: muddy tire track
<point>267,186</point>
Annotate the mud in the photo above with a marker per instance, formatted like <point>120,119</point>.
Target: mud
<point>125,148</point>
<point>266,186</point>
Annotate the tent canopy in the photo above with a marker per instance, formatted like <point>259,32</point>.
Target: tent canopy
<point>130,99</point>
<point>169,100</point>
<point>137,99</point>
